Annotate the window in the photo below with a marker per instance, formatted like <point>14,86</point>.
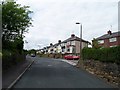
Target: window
<point>62,50</point>
<point>112,39</point>
<point>63,44</point>
<point>68,49</point>
<point>73,42</point>
<point>113,46</point>
<point>51,50</point>
<point>68,43</point>
<point>63,47</point>
<point>101,41</point>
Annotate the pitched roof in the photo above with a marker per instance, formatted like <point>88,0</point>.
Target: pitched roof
<point>71,39</point>
<point>74,38</point>
<point>55,44</point>
<point>105,36</point>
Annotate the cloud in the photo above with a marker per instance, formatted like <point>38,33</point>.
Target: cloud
<point>54,20</point>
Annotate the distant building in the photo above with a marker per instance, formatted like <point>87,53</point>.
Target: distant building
<point>70,45</point>
<point>109,40</point>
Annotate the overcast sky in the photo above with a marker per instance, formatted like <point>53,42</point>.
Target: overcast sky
<point>55,20</point>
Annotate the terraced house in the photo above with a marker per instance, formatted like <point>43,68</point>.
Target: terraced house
<point>70,45</point>
<point>109,40</point>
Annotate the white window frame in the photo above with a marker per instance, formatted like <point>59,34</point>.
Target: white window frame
<point>100,41</point>
<point>113,39</point>
<point>113,46</point>
<point>68,43</point>
<point>73,43</point>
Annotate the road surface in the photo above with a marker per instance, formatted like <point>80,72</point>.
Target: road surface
<point>52,73</point>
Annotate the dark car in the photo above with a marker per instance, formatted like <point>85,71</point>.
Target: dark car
<point>33,55</point>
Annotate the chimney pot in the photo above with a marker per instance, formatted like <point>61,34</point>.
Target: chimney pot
<point>109,32</point>
<point>59,41</point>
<point>72,35</point>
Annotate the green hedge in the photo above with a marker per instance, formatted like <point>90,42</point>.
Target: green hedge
<point>104,54</point>
<point>58,55</point>
<point>43,55</point>
<point>10,58</point>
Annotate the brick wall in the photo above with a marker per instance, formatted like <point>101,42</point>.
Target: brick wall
<point>108,44</point>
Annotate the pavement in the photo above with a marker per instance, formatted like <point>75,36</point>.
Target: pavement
<point>14,72</point>
<point>56,73</point>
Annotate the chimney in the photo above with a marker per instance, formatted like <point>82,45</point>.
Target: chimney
<point>59,41</point>
<point>72,35</point>
<point>51,44</point>
<point>109,32</point>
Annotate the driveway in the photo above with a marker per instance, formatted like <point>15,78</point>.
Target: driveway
<point>52,73</point>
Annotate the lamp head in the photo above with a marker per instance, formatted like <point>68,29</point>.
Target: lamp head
<point>77,23</point>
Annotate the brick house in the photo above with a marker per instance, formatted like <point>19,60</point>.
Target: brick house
<point>109,40</point>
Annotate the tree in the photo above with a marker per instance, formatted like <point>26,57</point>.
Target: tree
<point>15,21</point>
<point>95,44</point>
<point>32,51</point>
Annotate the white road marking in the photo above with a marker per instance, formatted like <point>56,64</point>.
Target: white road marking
<point>72,62</point>
<point>49,65</point>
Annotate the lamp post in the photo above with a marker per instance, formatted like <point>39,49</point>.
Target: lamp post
<point>80,38</point>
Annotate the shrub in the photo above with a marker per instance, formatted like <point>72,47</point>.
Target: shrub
<point>104,55</point>
<point>10,58</point>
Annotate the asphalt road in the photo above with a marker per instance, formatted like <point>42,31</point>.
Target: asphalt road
<point>51,73</point>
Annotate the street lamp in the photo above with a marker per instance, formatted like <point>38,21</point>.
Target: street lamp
<point>80,38</point>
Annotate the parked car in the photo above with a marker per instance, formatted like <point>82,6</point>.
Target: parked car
<point>32,55</point>
<point>71,57</point>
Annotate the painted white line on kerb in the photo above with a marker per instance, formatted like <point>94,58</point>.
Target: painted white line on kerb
<point>67,61</point>
<point>15,81</point>
<point>49,65</point>
<point>72,63</point>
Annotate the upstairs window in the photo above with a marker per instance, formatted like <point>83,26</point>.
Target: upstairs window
<point>73,43</point>
<point>68,43</point>
<point>112,39</point>
<point>100,41</point>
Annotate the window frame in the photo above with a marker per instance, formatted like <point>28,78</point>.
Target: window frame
<point>114,39</point>
<point>101,41</point>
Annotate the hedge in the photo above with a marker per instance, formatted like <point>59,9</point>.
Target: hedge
<point>10,58</point>
<point>104,54</point>
<point>54,55</point>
